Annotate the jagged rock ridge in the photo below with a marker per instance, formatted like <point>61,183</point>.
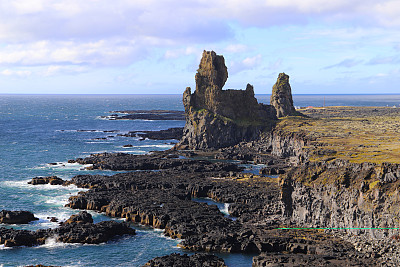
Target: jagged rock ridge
<point>218,118</point>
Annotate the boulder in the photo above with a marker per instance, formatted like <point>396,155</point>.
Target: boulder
<point>16,217</point>
<point>81,217</point>
<point>53,180</point>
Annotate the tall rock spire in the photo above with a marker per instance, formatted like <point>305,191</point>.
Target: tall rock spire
<point>281,97</point>
<point>210,78</point>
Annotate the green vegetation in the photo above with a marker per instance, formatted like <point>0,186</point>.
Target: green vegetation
<point>368,138</point>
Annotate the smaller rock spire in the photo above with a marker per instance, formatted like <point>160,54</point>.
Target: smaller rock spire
<point>281,97</point>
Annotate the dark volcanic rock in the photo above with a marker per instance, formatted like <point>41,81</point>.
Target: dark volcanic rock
<point>14,238</point>
<point>53,180</point>
<point>156,161</point>
<point>89,233</point>
<point>171,133</point>
<point>148,115</point>
<point>16,217</point>
<point>81,217</point>
<point>219,118</point>
<point>78,229</point>
<point>297,260</point>
<point>163,200</point>
<point>178,260</point>
<point>281,97</point>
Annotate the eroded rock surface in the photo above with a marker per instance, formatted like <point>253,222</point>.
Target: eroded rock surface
<point>16,217</point>
<point>53,180</point>
<point>155,161</point>
<point>281,97</point>
<point>219,118</point>
<point>178,260</point>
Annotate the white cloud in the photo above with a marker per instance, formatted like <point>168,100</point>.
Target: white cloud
<point>236,48</point>
<point>96,31</point>
<point>252,61</point>
<point>59,69</point>
<point>189,21</point>
<point>387,13</point>
<point>19,73</point>
<point>175,53</point>
<point>100,53</point>
<point>245,64</point>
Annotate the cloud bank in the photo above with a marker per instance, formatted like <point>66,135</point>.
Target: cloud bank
<point>119,32</point>
<point>49,38</point>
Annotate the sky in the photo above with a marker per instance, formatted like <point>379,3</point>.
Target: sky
<point>155,46</point>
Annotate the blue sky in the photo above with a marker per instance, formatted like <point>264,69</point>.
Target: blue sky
<point>154,46</point>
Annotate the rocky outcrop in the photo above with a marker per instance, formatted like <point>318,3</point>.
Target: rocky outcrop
<point>80,218</point>
<point>281,97</point>
<point>171,133</point>
<point>218,118</point>
<point>154,161</point>
<point>147,115</point>
<point>205,130</point>
<point>178,260</point>
<point>78,229</point>
<point>16,217</point>
<point>53,180</point>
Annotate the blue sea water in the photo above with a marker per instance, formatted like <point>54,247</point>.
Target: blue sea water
<point>36,130</point>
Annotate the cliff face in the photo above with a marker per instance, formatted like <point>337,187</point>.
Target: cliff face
<point>337,193</point>
<point>281,97</point>
<point>344,195</point>
<point>218,118</point>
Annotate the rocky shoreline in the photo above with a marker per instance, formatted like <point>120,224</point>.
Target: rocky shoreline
<point>162,198</point>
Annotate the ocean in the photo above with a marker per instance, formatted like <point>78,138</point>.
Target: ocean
<point>37,130</point>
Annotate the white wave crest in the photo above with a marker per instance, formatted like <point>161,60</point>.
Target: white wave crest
<point>160,146</point>
<point>224,210</point>
<point>62,166</point>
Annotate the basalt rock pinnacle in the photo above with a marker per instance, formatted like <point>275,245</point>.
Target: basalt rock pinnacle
<point>281,97</point>
<point>218,118</point>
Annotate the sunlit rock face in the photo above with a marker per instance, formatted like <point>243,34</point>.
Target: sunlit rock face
<point>218,118</point>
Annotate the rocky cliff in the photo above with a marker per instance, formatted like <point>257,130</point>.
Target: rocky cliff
<point>329,187</point>
<point>346,195</point>
<point>218,118</point>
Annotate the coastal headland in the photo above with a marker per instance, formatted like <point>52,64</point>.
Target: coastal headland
<point>335,201</point>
